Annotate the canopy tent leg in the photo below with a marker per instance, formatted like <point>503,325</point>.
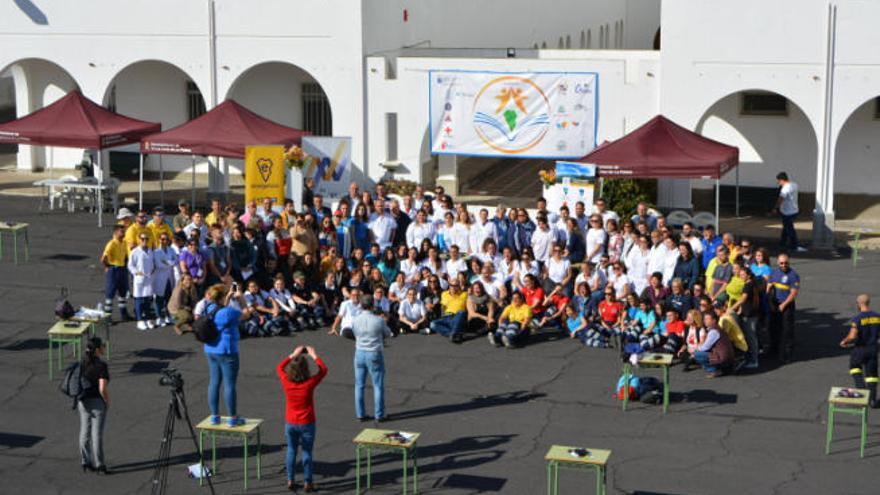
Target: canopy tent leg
<point>100,205</point>
<point>141,182</point>
<point>193,183</point>
<point>601,187</point>
<point>717,202</point>
<point>737,191</point>
<point>161,183</point>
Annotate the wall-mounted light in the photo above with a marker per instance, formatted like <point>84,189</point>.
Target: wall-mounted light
<point>92,64</point>
<point>511,53</point>
<point>225,67</point>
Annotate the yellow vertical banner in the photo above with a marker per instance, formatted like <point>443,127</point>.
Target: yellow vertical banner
<point>264,173</point>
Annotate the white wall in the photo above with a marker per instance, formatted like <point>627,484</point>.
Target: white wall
<point>627,95</point>
<point>273,90</point>
<point>858,153</point>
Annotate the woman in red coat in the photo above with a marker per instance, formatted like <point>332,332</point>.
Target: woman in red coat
<point>299,390</point>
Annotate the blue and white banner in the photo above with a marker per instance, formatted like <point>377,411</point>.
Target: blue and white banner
<point>513,114</point>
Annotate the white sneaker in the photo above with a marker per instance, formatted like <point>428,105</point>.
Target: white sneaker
<point>801,249</point>
<point>150,325</point>
<point>141,325</point>
<point>169,321</point>
<point>160,322</point>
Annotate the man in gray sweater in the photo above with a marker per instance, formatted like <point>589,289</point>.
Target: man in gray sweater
<point>370,331</point>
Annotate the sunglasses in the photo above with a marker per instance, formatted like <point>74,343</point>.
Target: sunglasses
<point>783,263</point>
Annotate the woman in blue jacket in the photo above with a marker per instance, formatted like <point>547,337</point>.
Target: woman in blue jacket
<point>222,354</point>
<point>687,266</point>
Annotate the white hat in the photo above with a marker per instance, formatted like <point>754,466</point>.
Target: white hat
<point>124,213</point>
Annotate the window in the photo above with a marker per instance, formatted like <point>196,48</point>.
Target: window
<point>195,104</point>
<point>877,108</point>
<point>391,137</point>
<point>111,99</point>
<point>764,103</point>
<point>317,118</point>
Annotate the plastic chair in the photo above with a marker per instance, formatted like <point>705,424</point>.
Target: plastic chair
<point>702,219</point>
<point>678,218</point>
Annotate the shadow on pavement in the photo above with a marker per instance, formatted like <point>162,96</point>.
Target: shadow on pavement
<point>496,400</point>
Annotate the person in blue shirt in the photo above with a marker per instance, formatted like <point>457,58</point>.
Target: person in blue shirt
<point>222,354</point>
<point>642,215</point>
<point>502,225</point>
<point>647,320</point>
<point>519,235</point>
<point>863,334</point>
<point>783,287</point>
<point>710,245</point>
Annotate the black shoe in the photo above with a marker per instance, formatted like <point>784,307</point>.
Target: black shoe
<point>102,470</point>
<point>457,338</point>
<point>382,419</point>
<point>87,468</point>
<point>364,419</point>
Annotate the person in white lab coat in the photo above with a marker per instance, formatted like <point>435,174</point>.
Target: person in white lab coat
<point>164,260</point>
<point>141,267</point>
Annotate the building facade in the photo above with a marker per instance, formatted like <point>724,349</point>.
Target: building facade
<point>793,83</point>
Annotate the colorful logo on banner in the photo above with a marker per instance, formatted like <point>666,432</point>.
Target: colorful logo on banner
<point>506,120</point>
<point>264,173</point>
<point>328,164</point>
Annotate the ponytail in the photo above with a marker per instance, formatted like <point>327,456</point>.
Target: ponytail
<point>92,346</point>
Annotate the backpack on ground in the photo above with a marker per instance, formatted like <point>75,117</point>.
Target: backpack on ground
<point>633,389</point>
<point>651,390</point>
<point>205,329</point>
<point>74,384</point>
<point>63,308</point>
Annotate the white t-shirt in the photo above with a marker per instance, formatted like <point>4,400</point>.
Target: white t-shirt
<point>521,270</point>
<point>480,232</point>
<point>542,243</point>
<point>436,270</point>
<point>789,195</point>
<point>453,267</point>
<point>382,226</point>
<point>492,287</point>
<point>556,270</point>
<point>417,232</point>
<point>348,311</point>
<point>283,299</point>
<point>594,239</point>
<point>413,312</point>
<point>398,290</point>
<point>459,235</point>
<point>410,269</point>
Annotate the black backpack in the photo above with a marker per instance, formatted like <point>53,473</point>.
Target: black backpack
<point>74,384</point>
<point>205,329</point>
<point>63,309</point>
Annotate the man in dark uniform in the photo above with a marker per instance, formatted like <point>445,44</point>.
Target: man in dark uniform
<point>863,335</point>
<point>783,287</point>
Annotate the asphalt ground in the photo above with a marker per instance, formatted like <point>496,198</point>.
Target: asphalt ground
<point>487,416</point>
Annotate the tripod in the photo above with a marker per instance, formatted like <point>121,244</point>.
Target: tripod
<point>176,405</point>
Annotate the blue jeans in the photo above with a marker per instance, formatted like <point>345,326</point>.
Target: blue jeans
<point>300,436</point>
<point>703,357</point>
<point>116,282</point>
<point>789,234</point>
<point>222,367</point>
<point>142,308</point>
<point>449,325</point>
<point>159,307</point>
<point>374,363</point>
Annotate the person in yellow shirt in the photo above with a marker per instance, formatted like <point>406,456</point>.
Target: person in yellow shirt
<point>158,225</point>
<point>288,214</point>
<point>134,231</point>
<point>116,273</point>
<point>513,325</point>
<point>216,213</point>
<point>454,305</point>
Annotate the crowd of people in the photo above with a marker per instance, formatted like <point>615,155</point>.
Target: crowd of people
<point>433,266</point>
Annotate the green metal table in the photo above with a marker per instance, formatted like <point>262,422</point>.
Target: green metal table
<point>370,439</point>
<point>251,426</point>
<point>65,332</point>
<point>94,323</point>
<point>560,455</point>
<point>15,229</point>
<point>650,360</point>
<point>857,406</point>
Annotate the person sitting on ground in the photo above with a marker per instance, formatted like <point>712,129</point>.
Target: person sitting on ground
<point>480,309</point>
<point>694,334</point>
<point>585,303</point>
<point>454,309</point>
<point>672,328</point>
<point>299,386</point>
<point>308,303</point>
<point>575,323</point>
<point>286,306</point>
<point>383,306</point>
<point>412,315</point>
<point>348,311</point>
<point>678,299</point>
<point>554,305</point>
<point>655,292</point>
<point>513,324</point>
<point>632,328</point>
<point>728,323</point>
<point>533,295</point>
<point>264,315</point>
<point>182,304</point>
<point>612,315</point>
<point>331,296</point>
<point>650,335</point>
<point>715,352</point>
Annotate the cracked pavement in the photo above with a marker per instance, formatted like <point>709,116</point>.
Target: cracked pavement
<point>487,416</point>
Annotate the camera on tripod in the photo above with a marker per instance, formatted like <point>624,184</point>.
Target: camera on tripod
<point>171,378</point>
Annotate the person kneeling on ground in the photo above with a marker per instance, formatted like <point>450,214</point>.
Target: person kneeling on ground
<point>715,352</point>
<point>182,303</point>
<point>412,315</point>
<point>299,388</point>
<point>309,309</point>
<point>454,304</point>
<point>480,309</point>
<point>265,317</point>
<point>513,325</point>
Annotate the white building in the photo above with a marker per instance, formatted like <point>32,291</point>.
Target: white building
<point>793,83</point>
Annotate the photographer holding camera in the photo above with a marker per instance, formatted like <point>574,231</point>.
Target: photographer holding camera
<point>299,389</point>
<point>222,355</point>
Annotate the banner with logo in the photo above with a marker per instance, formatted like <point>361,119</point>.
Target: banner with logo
<point>513,114</point>
<point>328,164</point>
<point>264,173</point>
<point>574,182</point>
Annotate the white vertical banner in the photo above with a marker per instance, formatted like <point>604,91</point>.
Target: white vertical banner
<point>328,163</point>
<point>513,114</point>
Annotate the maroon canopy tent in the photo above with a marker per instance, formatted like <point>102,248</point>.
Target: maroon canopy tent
<point>663,149</point>
<point>224,131</point>
<point>75,121</point>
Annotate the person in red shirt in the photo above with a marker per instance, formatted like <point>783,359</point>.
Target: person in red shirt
<point>611,313</point>
<point>555,304</point>
<point>534,297</point>
<point>299,390</point>
<point>673,330</point>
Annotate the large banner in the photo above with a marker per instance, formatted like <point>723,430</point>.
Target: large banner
<point>264,173</point>
<point>574,182</point>
<point>328,163</point>
<point>513,114</point>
